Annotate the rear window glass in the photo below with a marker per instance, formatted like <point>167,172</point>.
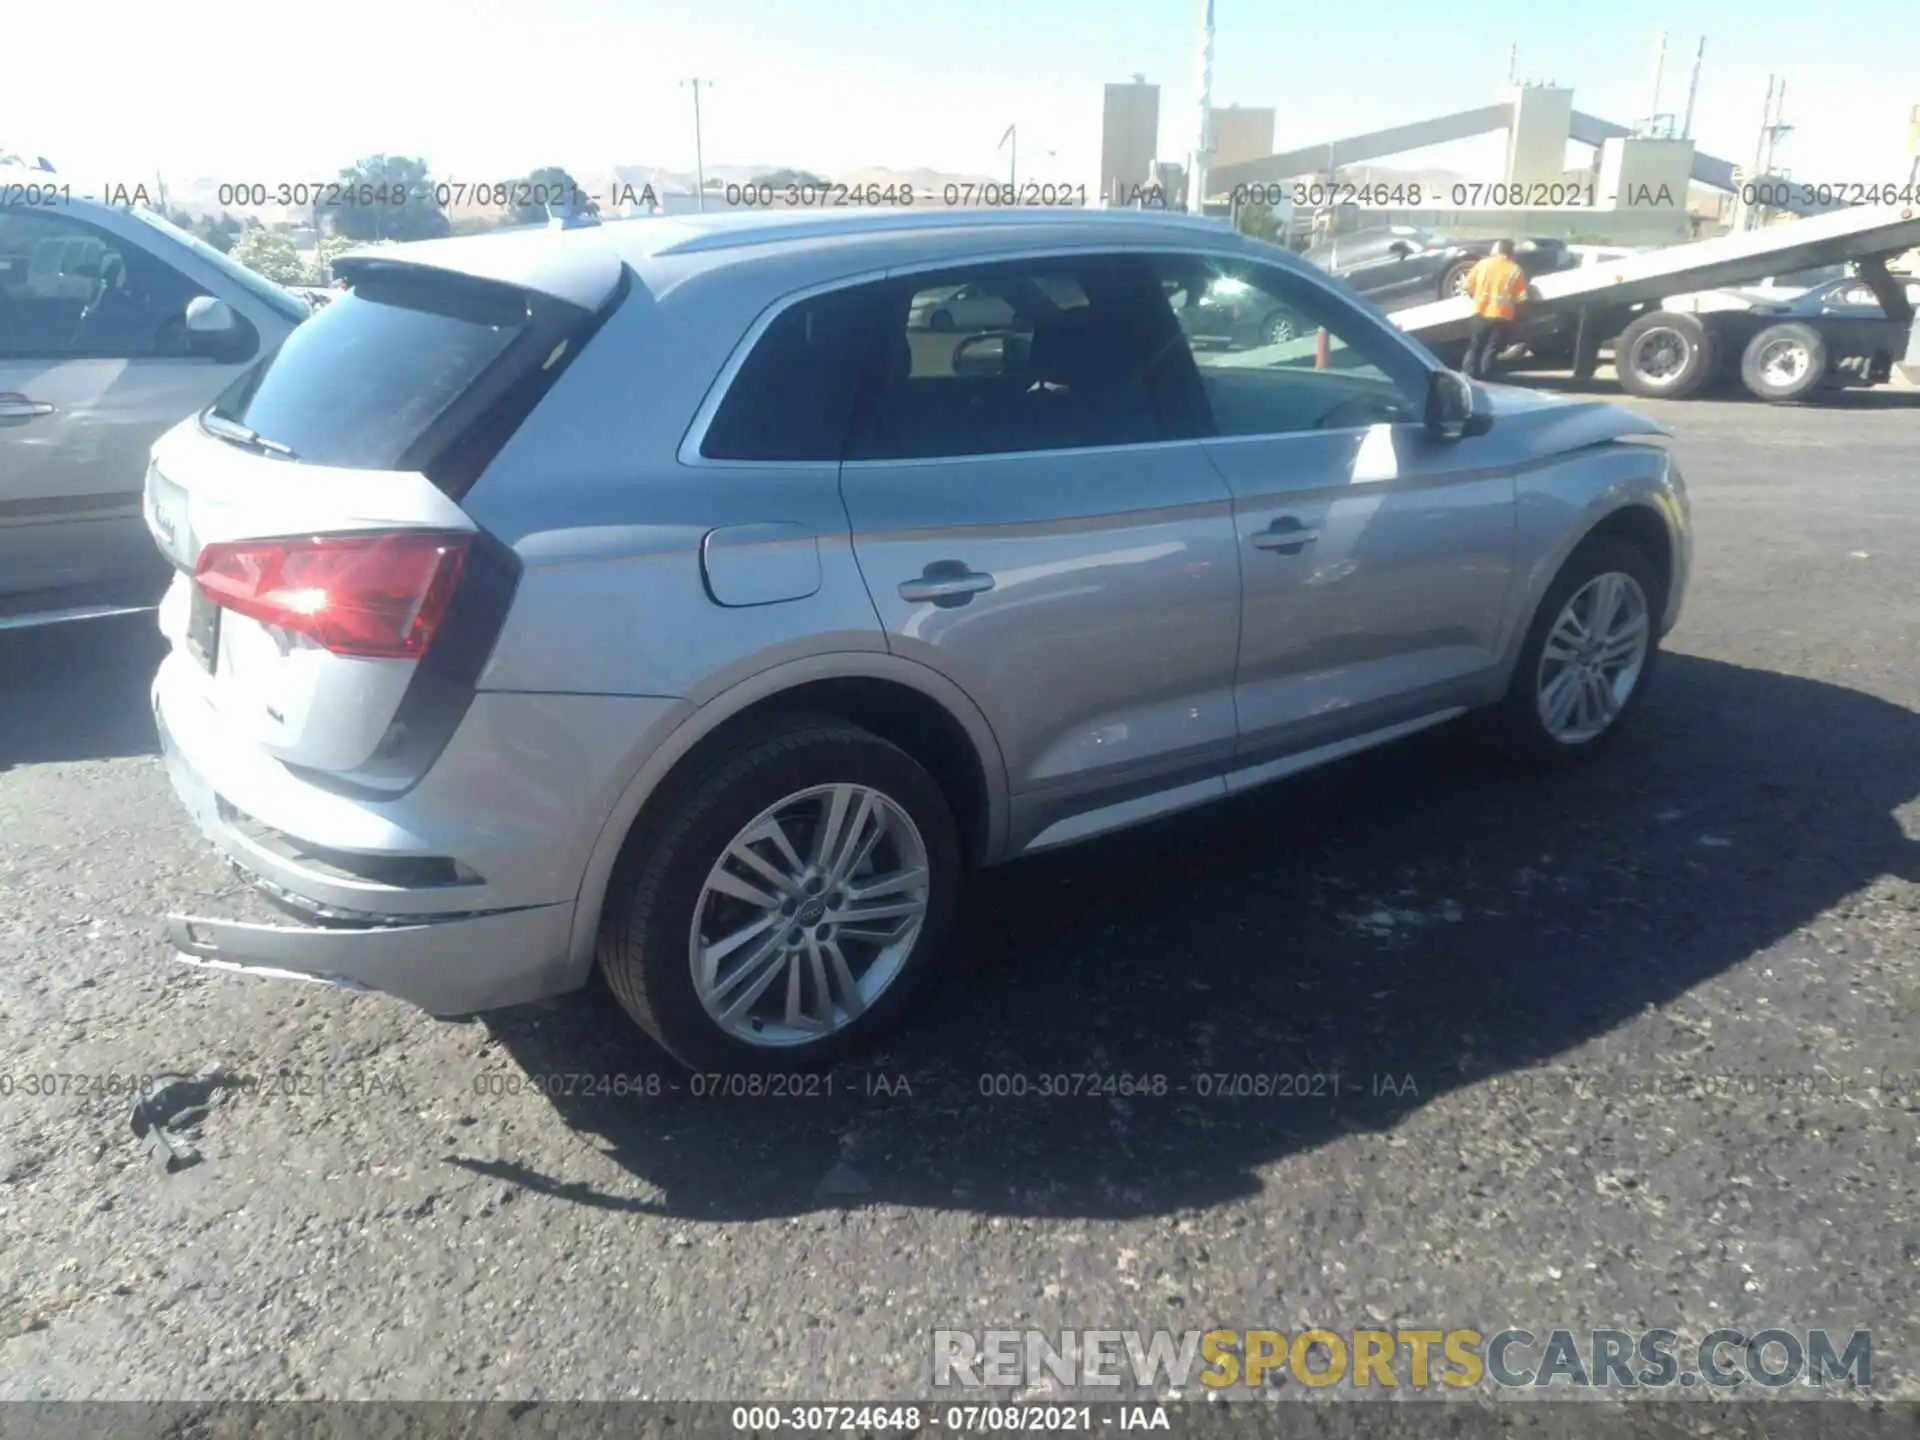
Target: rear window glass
<point>361,383</point>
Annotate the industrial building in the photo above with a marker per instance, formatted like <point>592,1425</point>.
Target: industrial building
<point>1642,188</point>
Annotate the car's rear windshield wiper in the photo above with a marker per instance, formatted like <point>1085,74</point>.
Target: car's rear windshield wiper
<point>240,435</point>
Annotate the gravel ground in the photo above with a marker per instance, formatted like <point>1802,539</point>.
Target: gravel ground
<point>394,1212</point>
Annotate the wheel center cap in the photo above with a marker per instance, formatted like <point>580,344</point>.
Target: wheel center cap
<point>811,911</point>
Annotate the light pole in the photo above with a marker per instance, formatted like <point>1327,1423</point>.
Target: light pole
<point>1010,142</point>
<point>693,83</point>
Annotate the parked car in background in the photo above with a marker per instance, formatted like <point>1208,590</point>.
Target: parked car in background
<point>1397,266</point>
<point>114,324</point>
<point>1587,255</point>
<point>1774,290</point>
<point>967,307</point>
<point>662,598</point>
<point>1231,313</point>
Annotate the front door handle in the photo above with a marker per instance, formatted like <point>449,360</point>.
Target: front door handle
<point>19,407</point>
<point>945,583</point>
<point>1287,535</point>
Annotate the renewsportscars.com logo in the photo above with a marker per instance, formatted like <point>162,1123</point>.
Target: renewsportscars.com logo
<point>1514,1358</point>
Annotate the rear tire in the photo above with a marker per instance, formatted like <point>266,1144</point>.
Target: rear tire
<point>1453,282</point>
<point>1784,363</point>
<point>664,910</point>
<point>1667,355</point>
<point>1519,725</point>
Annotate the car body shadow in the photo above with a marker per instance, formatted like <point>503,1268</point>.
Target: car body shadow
<point>78,691</point>
<point>1369,937</point>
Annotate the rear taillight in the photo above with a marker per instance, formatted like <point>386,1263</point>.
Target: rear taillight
<point>381,596</point>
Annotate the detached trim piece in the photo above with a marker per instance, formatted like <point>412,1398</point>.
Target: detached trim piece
<point>446,967</point>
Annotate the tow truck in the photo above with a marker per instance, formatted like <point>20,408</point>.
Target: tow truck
<point>1779,355</point>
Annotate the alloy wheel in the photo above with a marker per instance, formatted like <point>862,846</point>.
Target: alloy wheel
<point>809,915</point>
<point>1593,658</point>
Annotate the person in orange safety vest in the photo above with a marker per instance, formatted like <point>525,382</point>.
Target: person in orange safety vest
<point>1498,288</point>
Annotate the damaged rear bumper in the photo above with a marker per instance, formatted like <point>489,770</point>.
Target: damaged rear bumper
<point>456,966</point>
<point>450,962</point>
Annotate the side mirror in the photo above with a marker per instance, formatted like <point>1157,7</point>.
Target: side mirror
<point>1454,410</point>
<point>208,316</point>
<point>216,332</point>
<point>1399,249</point>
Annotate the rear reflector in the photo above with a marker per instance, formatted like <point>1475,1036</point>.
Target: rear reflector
<point>382,596</point>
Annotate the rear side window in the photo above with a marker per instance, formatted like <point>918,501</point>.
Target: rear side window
<point>793,398</point>
<point>407,371</point>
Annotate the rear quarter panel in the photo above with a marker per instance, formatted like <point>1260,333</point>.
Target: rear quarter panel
<point>592,496</point>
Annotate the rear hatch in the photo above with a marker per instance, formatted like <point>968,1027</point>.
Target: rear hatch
<point>332,601</point>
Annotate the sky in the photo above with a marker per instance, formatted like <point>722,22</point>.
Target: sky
<point>491,89</point>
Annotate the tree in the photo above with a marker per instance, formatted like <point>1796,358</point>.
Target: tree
<point>330,249</point>
<point>1256,220</point>
<point>270,254</point>
<point>549,185</point>
<point>221,233</point>
<point>392,198</point>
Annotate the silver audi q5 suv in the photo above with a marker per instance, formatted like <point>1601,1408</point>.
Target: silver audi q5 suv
<point>669,596</point>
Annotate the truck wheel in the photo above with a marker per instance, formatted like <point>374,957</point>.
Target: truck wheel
<point>1667,355</point>
<point>1784,362</point>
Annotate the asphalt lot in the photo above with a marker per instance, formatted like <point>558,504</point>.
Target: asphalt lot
<point>1716,927</point>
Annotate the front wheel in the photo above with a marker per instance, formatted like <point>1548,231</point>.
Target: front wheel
<point>787,900</point>
<point>1587,657</point>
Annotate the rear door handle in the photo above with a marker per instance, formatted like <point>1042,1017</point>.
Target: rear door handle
<point>19,407</point>
<point>945,583</point>
<point>1288,536</point>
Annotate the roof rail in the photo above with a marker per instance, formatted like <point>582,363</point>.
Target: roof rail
<point>732,230</point>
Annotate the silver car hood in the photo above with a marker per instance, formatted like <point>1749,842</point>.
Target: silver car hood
<point>1551,424</point>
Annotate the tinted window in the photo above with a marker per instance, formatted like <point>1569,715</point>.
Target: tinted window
<point>369,382</point>
<point>1278,355</point>
<point>1049,354</point>
<point>793,398</point>
<point>68,290</point>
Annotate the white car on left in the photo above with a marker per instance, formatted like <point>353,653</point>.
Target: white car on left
<point>114,326</point>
